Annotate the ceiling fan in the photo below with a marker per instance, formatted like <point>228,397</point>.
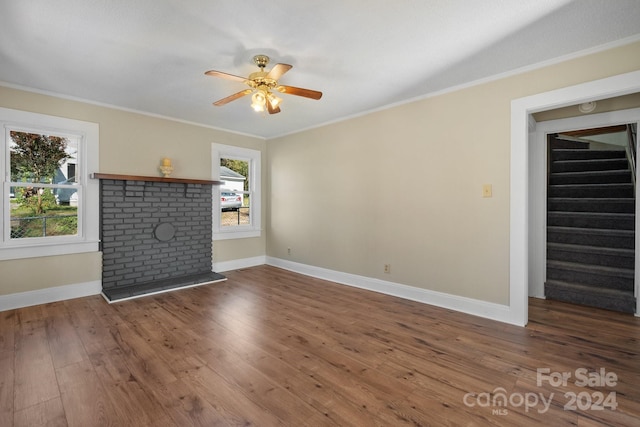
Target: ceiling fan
<point>262,83</point>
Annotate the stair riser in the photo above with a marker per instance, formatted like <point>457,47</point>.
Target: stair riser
<point>564,144</point>
<point>588,239</point>
<point>592,178</point>
<point>593,191</point>
<point>613,206</point>
<point>590,222</point>
<point>591,279</point>
<point>625,305</point>
<point>587,154</point>
<point>587,165</point>
<point>618,261</point>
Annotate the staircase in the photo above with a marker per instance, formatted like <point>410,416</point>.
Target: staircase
<point>590,227</point>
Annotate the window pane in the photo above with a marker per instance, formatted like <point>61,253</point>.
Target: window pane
<point>234,193</point>
<point>42,158</point>
<point>36,213</point>
<point>50,209</point>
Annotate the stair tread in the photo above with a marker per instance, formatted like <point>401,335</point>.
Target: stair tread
<point>613,215</point>
<point>591,289</point>
<point>596,160</point>
<point>577,230</point>
<point>598,220</point>
<point>595,172</point>
<point>582,150</point>
<point>610,175</point>
<point>595,199</point>
<point>559,156</point>
<point>592,249</point>
<point>566,265</point>
<point>595,185</point>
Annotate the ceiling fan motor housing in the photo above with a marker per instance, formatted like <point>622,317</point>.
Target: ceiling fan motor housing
<point>259,78</point>
<point>261,61</point>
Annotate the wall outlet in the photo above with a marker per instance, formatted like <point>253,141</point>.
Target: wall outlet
<point>288,251</point>
<point>387,268</point>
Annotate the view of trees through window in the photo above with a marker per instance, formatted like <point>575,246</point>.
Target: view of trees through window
<point>43,192</point>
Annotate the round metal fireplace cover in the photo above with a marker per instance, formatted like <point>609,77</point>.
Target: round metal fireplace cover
<point>164,232</point>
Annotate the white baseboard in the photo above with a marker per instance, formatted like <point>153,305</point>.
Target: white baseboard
<point>44,296</point>
<point>501,313</point>
<point>238,264</point>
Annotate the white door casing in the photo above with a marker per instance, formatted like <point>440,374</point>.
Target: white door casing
<point>524,157</point>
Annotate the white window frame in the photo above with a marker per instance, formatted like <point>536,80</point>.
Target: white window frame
<point>253,157</point>
<point>87,238</point>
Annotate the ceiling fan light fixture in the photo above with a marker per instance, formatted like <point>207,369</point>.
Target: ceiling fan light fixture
<point>274,101</point>
<point>259,99</point>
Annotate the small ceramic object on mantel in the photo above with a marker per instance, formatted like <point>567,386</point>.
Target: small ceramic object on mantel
<point>165,167</point>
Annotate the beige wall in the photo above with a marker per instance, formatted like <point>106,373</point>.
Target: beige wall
<point>32,274</point>
<point>404,186</point>
<point>129,144</point>
<point>400,186</point>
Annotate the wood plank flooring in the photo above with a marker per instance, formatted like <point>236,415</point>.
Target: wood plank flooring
<point>269,347</point>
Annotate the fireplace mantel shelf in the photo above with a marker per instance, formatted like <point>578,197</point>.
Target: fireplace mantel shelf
<point>153,179</point>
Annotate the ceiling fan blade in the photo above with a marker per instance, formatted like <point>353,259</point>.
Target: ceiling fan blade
<point>307,93</point>
<point>278,70</point>
<point>214,73</point>
<point>232,97</point>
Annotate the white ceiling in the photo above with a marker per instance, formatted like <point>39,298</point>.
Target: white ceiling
<point>151,55</point>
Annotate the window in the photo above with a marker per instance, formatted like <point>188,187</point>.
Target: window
<point>236,203</point>
<point>49,204</point>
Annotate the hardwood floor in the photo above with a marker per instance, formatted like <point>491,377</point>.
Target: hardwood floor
<point>269,347</point>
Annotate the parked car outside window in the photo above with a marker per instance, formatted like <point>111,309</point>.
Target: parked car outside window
<point>66,196</point>
<point>230,201</point>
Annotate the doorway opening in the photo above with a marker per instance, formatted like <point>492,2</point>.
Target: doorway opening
<point>565,203</point>
<point>527,193</point>
<point>590,251</point>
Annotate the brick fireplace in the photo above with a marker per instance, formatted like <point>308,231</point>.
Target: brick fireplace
<point>155,234</point>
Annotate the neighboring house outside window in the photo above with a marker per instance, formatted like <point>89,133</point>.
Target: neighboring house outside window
<point>237,202</point>
<point>49,204</point>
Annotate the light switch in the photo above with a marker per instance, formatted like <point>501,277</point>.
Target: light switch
<point>486,190</point>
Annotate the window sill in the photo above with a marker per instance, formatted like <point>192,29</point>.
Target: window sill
<point>42,250</point>
<point>236,234</point>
